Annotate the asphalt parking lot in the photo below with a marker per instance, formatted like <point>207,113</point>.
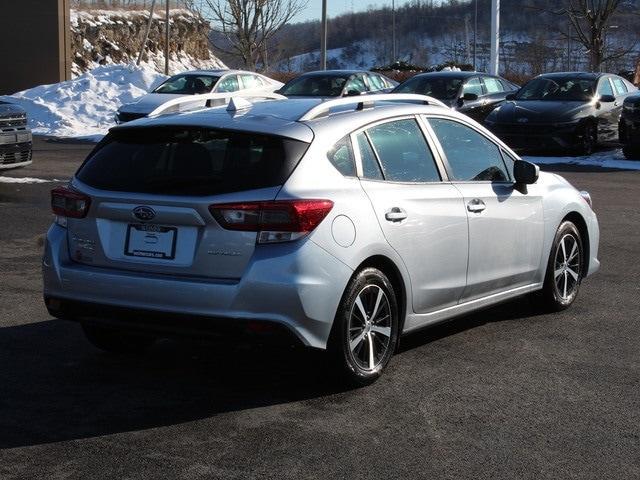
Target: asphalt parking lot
<point>506,393</point>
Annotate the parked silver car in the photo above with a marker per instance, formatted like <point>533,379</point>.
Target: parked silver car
<point>344,224</point>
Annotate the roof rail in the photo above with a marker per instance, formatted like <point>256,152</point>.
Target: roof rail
<point>211,100</point>
<point>367,101</point>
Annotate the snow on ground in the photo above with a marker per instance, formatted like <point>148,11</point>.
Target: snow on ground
<point>604,159</point>
<point>27,180</point>
<point>85,106</point>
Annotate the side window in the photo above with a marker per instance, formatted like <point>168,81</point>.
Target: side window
<point>376,82</point>
<point>604,87</point>
<point>341,156</point>
<point>493,85</point>
<point>249,81</point>
<point>356,83</point>
<point>228,84</point>
<point>471,156</point>
<point>472,85</point>
<point>621,88</point>
<point>370,167</point>
<point>403,152</point>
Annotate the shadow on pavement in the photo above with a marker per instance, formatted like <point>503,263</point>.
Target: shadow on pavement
<point>56,387</point>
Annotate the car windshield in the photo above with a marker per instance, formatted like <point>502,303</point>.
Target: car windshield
<point>558,89</point>
<point>442,88</point>
<point>187,84</point>
<point>315,86</point>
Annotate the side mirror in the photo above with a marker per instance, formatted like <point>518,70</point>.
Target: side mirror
<point>607,98</point>
<point>525,173</point>
<point>353,93</point>
<point>511,96</point>
<point>469,97</point>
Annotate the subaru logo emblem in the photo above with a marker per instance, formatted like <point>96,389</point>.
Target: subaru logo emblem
<point>523,120</point>
<point>144,213</point>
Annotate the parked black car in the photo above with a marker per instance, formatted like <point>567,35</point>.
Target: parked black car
<point>475,94</point>
<point>337,83</point>
<point>15,137</point>
<point>571,111</point>
<point>629,129</point>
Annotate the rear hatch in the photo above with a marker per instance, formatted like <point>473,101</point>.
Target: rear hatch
<point>149,192</point>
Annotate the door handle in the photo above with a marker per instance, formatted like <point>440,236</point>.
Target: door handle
<point>396,214</point>
<point>476,205</point>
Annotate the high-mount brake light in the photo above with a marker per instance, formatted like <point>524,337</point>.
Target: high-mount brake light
<point>275,221</point>
<point>66,202</point>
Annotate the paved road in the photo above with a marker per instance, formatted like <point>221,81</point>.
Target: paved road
<point>503,394</point>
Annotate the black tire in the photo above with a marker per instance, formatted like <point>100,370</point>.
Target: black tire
<point>587,140</point>
<point>564,269</point>
<point>361,364</point>
<point>116,341</point>
<point>631,152</point>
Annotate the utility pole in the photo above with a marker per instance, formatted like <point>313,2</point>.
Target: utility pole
<point>394,53</point>
<point>495,37</point>
<point>323,37</point>
<point>166,42</point>
<point>466,39</point>
<point>568,45</point>
<point>475,35</point>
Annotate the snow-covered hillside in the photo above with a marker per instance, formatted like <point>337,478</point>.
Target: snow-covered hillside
<point>85,106</point>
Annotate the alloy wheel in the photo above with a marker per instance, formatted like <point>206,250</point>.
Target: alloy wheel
<point>370,327</point>
<point>567,266</point>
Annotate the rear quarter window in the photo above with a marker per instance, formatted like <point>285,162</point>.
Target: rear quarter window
<point>189,162</point>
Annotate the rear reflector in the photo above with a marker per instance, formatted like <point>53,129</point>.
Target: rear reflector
<point>275,221</point>
<point>66,202</point>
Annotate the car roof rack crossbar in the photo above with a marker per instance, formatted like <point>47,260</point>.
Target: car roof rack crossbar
<point>212,100</point>
<point>364,103</point>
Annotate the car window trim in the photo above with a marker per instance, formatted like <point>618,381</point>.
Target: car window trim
<point>358,157</point>
<point>363,129</point>
<point>448,168</point>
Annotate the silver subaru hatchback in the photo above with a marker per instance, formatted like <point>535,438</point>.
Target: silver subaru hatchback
<point>339,225</point>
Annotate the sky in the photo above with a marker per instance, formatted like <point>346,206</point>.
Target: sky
<point>337,7</point>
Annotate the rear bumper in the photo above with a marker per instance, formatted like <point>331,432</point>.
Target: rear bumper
<point>297,286</point>
<point>171,324</point>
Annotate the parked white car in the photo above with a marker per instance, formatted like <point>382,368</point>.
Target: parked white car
<point>197,83</point>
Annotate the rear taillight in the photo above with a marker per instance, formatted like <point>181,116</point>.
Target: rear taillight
<point>275,221</point>
<point>69,203</point>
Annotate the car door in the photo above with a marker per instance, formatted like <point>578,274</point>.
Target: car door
<point>495,95</point>
<point>472,108</point>
<point>505,226</point>
<point>607,113</point>
<point>422,217</point>
<point>621,92</point>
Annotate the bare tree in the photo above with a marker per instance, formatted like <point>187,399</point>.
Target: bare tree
<point>590,20</point>
<point>247,25</point>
